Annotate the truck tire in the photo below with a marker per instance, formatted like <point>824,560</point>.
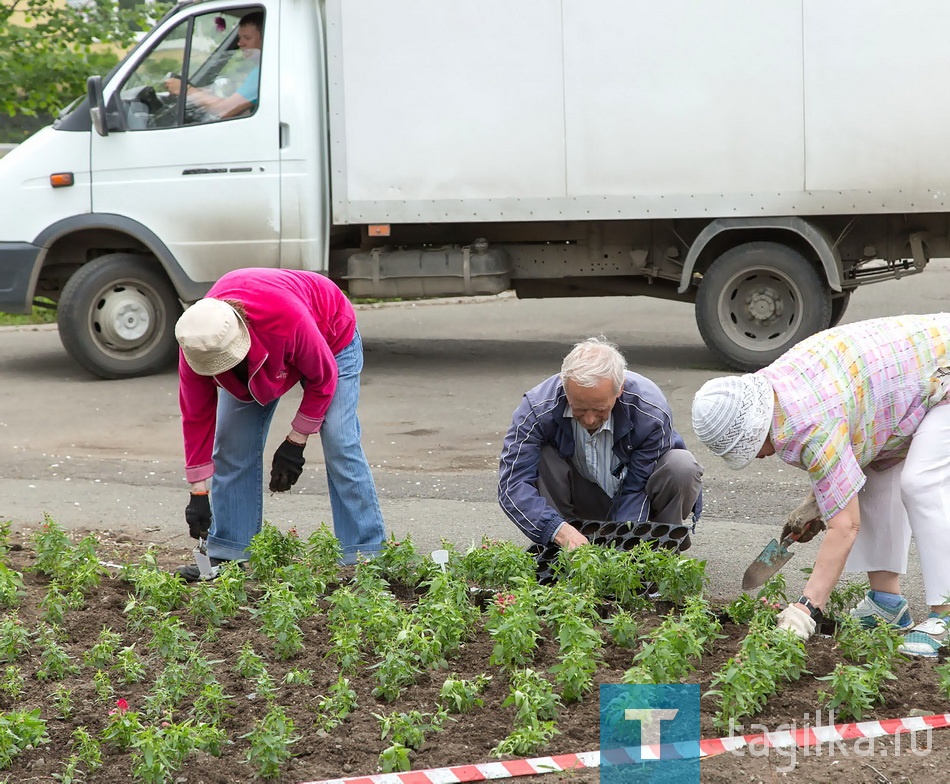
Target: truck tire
<point>839,304</point>
<point>117,317</point>
<point>758,300</point>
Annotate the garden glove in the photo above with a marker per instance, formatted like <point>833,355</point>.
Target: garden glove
<point>198,515</point>
<point>287,466</point>
<point>805,521</point>
<point>794,619</point>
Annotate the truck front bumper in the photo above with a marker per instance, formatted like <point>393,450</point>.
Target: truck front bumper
<point>17,260</point>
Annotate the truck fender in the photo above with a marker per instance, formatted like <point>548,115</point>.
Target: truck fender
<point>815,236</point>
<point>188,290</point>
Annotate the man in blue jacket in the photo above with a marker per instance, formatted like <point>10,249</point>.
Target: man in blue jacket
<point>595,442</point>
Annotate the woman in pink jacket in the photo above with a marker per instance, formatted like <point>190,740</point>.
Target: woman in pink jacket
<point>257,334</point>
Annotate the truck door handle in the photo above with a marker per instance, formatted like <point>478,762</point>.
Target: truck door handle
<point>235,170</point>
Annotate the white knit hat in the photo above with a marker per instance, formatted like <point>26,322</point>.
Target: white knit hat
<point>212,336</point>
<point>732,416</point>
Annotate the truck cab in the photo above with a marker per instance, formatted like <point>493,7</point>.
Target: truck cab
<point>140,196</point>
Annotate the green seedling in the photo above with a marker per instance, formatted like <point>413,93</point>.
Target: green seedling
<point>461,696</point>
<point>102,654</point>
<point>526,740</point>
<point>11,586</point>
<point>409,729</point>
<point>279,612</point>
<point>50,545</point>
<point>270,549</point>
<point>130,665</point>
<point>298,677</point>
<point>400,562</point>
<point>55,663</point>
<point>12,684</point>
<point>14,638</point>
<point>20,730</point>
<point>153,586</point>
<point>62,698</point>
<point>623,628</point>
<point>215,601</point>
<point>270,742</point>
<point>87,748</point>
<point>172,640</point>
<point>211,704</point>
<point>337,705</point>
<point>394,759</point>
<point>498,565</point>
<point>322,554</point>
<point>515,627</point>
<point>767,657</point>
<point>855,689</point>
<point>122,725</point>
<point>671,652</point>
<point>249,664</point>
<point>533,698</point>
<point>102,684</point>
<point>397,669</point>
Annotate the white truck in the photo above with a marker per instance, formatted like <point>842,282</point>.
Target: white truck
<point>760,159</point>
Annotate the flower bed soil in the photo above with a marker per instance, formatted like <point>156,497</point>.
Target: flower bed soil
<point>353,748</point>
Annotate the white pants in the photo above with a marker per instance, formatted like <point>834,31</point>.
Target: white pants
<point>912,497</point>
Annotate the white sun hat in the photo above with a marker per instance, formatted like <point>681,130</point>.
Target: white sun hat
<point>212,336</point>
<point>732,416</point>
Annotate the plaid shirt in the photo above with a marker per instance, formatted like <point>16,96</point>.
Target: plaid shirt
<point>851,397</point>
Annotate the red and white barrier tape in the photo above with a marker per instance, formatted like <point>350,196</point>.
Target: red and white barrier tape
<point>804,737</point>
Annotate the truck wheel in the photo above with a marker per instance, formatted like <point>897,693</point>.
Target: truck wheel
<point>117,317</point>
<point>839,305</point>
<point>758,300</point>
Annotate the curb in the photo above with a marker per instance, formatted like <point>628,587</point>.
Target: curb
<point>712,747</point>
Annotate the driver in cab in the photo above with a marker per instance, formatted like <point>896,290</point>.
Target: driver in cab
<point>244,99</point>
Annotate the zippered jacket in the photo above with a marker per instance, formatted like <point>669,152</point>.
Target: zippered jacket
<point>298,322</point>
<point>643,432</point>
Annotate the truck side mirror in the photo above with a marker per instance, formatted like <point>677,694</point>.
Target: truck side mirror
<point>97,109</point>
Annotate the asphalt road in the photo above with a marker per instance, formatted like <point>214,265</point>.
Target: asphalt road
<point>440,383</point>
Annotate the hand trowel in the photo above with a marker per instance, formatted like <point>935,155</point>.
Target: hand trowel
<point>775,555</point>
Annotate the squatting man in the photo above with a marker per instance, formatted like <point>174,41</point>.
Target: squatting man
<point>863,409</point>
<point>595,442</point>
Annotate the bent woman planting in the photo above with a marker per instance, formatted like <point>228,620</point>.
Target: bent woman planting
<point>257,334</point>
<point>862,409</point>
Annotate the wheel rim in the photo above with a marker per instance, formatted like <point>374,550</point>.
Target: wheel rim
<point>760,309</point>
<point>127,318</point>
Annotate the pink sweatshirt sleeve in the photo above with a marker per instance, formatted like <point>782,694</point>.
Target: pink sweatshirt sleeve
<point>198,400</point>
<point>316,363</point>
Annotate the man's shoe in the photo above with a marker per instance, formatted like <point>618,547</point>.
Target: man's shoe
<point>869,613</point>
<point>926,638</point>
<point>190,573</point>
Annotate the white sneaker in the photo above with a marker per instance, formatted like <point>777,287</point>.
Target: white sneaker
<point>926,638</point>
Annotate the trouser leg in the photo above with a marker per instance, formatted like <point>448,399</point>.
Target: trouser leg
<point>674,486</point>
<point>574,496</point>
<point>237,486</point>
<point>357,518</point>
<point>884,536</point>
<point>925,490</point>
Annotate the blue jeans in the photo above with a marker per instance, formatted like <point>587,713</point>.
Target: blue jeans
<point>237,486</point>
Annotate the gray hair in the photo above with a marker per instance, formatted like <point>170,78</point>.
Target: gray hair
<point>591,361</point>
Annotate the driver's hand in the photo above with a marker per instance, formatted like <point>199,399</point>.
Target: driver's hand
<point>569,537</point>
<point>173,85</point>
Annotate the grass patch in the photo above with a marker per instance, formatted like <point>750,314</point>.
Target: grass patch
<point>40,315</point>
